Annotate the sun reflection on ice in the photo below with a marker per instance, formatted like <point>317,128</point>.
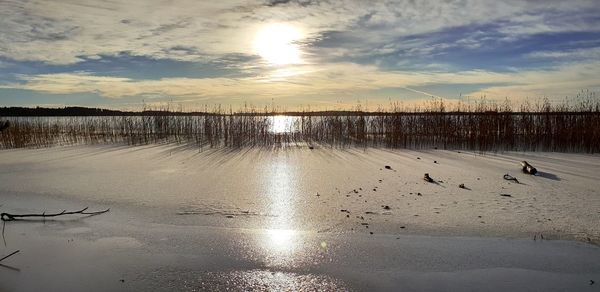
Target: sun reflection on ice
<point>281,125</point>
<point>281,244</point>
<point>281,238</point>
<point>265,280</point>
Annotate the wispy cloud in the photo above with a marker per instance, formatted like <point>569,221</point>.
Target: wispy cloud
<point>64,31</point>
<point>570,54</point>
<point>325,81</point>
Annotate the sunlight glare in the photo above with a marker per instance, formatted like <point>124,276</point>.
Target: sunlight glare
<point>281,124</point>
<point>276,43</point>
<point>281,238</point>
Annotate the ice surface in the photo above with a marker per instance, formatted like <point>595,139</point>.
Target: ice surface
<point>299,219</point>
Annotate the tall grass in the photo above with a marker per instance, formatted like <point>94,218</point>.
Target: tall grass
<point>566,127</point>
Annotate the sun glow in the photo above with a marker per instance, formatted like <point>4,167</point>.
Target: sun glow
<point>277,44</point>
<point>281,124</point>
<point>281,238</point>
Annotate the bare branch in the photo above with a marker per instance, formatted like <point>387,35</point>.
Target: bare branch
<point>13,253</point>
<point>12,217</point>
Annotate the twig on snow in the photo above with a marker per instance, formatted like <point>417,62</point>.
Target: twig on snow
<point>13,253</point>
<point>12,217</point>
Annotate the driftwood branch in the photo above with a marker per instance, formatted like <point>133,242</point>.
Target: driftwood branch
<point>510,177</point>
<point>12,217</point>
<point>13,253</point>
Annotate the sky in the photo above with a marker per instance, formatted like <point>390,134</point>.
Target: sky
<point>296,54</point>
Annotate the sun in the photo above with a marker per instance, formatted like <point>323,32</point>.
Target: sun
<point>277,44</point>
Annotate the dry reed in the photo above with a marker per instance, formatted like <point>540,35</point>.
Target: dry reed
<point>542,127</point>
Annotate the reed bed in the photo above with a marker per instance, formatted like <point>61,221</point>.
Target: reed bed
<point>543,127</point>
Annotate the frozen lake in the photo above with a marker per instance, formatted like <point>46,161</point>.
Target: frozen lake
<point>298,219</point>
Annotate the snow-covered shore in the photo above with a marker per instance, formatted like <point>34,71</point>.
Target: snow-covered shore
<point>301,213</point>
<point>297,188</point>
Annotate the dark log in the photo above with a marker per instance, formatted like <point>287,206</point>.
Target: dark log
<point>527,168</point>
<point>427,178</point>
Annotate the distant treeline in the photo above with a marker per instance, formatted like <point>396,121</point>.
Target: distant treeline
<point>100,112</point>
<point>76,111</point>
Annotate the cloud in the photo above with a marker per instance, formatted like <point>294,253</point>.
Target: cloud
<point>63,32</point>
<point>570,55</point>
<point>272,3</point>
<point>567,81</point>
<point>322,83</point>
<point>350,48</point>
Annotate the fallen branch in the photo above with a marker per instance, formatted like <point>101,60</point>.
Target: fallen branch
<point>510,177</point>
<point>12,217</point>
<point>13,253</point>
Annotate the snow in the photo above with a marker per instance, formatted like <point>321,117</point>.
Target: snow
<point>180,214</point>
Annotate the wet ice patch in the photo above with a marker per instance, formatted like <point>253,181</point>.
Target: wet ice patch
<point>217,209</point>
